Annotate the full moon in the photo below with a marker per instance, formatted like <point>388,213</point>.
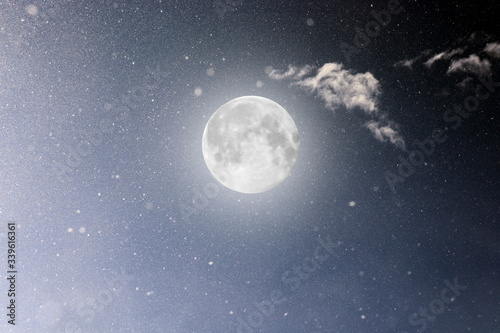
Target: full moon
<point>250,144</point>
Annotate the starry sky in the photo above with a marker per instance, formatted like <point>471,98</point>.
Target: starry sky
<point>387,223</point>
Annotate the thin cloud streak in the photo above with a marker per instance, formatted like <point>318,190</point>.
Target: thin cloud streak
<point>442,56</point>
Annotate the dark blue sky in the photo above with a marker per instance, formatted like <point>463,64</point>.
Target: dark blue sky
<point>122,228</point>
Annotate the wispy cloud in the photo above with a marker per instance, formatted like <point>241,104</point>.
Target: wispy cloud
<point>339,87</point>
<point>460,59</point>
<point>433,59</point>
<point>383,130</point>
<point>473,64</point>
<point>405,63</point>
<point>409,62</point>
<point>442,56</point>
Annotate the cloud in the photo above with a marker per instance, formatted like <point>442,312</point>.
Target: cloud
<point>472,64</point>
<point>493,49</point>
<point>409,63</point>
<point>386,131</point>
<point>339,87</point>
<point>292,72</point>
<point>303,72</point>
<point>435,58</point>
<point>405,63</point>
<point>442,55</point>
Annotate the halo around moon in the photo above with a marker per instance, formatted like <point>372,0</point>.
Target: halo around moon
<point>250,144</point>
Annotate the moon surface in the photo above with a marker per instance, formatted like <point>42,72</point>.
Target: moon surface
<point>250,144</point>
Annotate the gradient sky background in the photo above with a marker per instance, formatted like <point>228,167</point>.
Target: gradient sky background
<point>122,228</point>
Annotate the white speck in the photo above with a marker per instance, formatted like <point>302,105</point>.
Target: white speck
<point>352,203</point>
<point>310,22</point>
<point>78,211</point>
<point>285,314</point>
<point>259,84</point>
<point>81,230</point>
<point>186,57</point>
<point>363,317</point>
<point>409,272</point>
<point>70,229</point>
<point>32,10</point>
<point>210,263</point>
<point>231,312</point>
<point>149,293</point>
<point>198,91</point>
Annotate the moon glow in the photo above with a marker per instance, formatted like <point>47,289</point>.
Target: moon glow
<point>250,144</point>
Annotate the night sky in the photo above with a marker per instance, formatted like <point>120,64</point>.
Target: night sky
<point>387,223</point>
